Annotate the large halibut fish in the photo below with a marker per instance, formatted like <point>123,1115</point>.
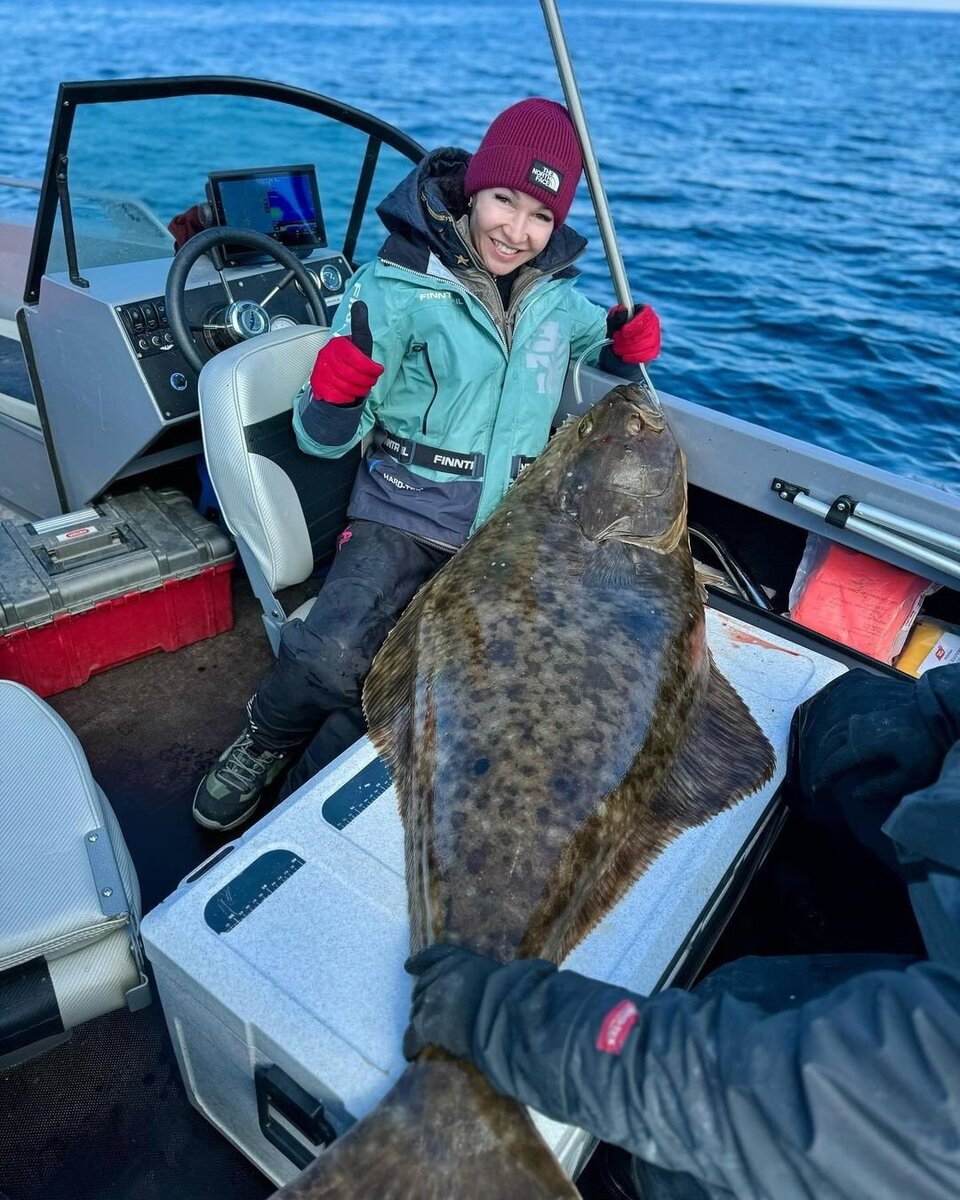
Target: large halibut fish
<point>552,718</point>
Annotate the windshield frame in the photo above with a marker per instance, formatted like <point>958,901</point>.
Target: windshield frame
<point>70,96</point>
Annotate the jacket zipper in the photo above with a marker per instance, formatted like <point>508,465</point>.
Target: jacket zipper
<point>452,284</point>
<point>511,311</point>
<point>425,349</point>
<point>435,545</point>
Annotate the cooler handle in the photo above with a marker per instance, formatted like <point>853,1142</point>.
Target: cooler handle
<point>275,1088</point>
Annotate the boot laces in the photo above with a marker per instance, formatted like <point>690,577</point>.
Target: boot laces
<point>245,764</point>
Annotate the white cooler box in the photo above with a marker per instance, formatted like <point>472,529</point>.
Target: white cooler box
<point>279,962</point>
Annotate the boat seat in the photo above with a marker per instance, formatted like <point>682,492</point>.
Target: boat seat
<point>69,897</point>
<point>284,507</point>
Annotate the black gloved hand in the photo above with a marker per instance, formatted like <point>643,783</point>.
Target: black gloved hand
<point>861,745</point>
<point>449,985</point>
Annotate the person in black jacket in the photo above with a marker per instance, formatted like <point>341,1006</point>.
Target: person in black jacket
<point>782,1078</point>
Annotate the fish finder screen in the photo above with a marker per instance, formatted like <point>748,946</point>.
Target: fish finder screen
<point>282,202</point>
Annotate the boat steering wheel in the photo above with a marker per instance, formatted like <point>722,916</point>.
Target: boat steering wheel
<point>235,321</point>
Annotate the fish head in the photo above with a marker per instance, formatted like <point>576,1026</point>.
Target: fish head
<point>624,476</point>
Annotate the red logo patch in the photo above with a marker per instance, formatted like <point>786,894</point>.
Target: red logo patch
<point>616,1025</point>
<point>344,538</point>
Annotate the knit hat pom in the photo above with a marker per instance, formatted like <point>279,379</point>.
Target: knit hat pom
<point>530,147</point>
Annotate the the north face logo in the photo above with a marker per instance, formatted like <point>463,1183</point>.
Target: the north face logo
<point>545,177</point>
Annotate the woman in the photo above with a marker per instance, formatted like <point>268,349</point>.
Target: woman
<point>450,349</point>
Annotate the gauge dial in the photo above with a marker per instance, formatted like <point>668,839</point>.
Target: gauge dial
<point>331,278</point>
<point>282,321</point>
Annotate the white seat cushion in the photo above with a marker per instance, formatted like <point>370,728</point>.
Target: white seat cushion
<point>69,895</point>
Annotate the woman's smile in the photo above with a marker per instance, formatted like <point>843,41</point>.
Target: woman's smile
<point>508,228</point>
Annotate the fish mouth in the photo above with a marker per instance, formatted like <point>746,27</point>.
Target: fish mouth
<point>644,405</point>
<point>639,497</point>
<point>664,540</point>
<point>625,527</point>
<point>650,414</point>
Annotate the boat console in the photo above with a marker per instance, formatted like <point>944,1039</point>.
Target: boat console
<point>115,390</point>
<point>115,326</point>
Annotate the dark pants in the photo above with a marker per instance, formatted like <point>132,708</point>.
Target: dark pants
<point>313,690</point>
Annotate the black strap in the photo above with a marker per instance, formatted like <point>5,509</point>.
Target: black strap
<point>323,485</point>
<point>436,458</point>
<point>519,462</point>
<point>28,1006</point>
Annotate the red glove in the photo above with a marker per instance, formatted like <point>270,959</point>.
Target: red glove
<point>636,340</point>
<point>344,371</point>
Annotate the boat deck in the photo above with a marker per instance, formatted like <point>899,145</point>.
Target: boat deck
<point>104,1116</point>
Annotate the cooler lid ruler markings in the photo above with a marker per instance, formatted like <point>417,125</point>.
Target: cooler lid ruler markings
<point>349,801</point>
<point>245,893</point>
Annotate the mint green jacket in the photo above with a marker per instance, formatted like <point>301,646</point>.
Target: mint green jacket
<point>462,378</point>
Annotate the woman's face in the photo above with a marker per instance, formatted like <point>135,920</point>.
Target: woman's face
<point>508,228</point>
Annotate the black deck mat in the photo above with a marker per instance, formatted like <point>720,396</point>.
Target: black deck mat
<point>105,1117</point>
<point>152,727</point>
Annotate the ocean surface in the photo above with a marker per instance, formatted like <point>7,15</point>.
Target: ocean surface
<point>784,181</point>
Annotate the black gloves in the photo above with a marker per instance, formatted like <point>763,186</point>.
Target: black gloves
<point>450,985</point>
<point>862,744</point>
<point>447,991</point>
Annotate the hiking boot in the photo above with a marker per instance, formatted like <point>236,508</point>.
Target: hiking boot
<point>230,791</point>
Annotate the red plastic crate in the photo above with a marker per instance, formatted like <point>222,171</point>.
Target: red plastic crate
<point>66,651</point>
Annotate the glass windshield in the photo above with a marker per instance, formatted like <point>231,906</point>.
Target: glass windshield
<point>135,165</point>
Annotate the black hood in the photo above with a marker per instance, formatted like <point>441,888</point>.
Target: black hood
<point>421,212</point>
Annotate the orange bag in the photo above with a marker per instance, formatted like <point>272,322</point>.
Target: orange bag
<point>856,599</point>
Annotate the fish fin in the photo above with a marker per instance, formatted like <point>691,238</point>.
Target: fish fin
<point>725,757</point>
<point>610,567</point>
<point>441,1133</point>
<point>388,703</point>
<point>387,697</point>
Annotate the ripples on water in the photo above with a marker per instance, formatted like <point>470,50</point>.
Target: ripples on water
<point>783,181</point>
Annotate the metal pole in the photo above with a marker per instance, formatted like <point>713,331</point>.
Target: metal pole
<point>885,537</point>
<point>912,529</point>
<point>591,169</point>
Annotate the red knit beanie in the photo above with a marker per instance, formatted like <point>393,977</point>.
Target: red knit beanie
<point>531,147</point>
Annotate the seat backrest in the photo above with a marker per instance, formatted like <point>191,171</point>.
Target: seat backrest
<point>257,470</point>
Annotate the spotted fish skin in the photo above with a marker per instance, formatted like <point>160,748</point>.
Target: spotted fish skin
<point>552,719</point>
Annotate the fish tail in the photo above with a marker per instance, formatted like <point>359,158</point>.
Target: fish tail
<point>441,1133</point>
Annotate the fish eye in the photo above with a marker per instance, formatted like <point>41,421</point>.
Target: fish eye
<point>586,425</point>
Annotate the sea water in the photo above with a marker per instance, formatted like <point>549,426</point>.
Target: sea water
<point>783,180</point>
